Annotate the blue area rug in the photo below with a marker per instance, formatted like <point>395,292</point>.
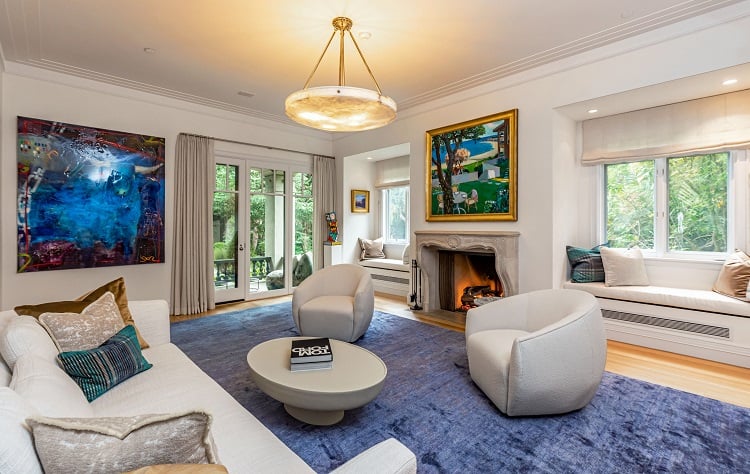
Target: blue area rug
<point>430,404</point>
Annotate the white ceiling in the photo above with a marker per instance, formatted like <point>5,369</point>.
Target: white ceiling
<point>419,50</point>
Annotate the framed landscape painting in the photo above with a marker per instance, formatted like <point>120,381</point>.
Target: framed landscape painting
<point>471,170</point>
<point>360,200</point>
<point>87,197</point>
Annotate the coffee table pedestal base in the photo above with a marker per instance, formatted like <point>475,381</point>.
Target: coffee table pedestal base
<point>315,417</point>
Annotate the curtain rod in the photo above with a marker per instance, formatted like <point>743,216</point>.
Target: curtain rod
<point>267,147</point>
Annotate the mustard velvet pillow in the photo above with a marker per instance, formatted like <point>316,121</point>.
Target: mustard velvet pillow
<point>734,277</point>
<point>116,287</point>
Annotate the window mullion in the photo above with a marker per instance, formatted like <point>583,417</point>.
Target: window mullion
<point>661,214</point>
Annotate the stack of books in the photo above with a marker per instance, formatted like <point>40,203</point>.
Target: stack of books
<point>311,354</point>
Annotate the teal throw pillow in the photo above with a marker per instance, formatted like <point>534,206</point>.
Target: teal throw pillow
<point>99,369</point>
<point>585,264</point>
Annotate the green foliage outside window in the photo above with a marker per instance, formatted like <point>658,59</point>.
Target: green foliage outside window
<point>630,204</point>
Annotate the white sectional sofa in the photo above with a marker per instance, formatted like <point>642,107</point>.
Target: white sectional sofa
<point>390,274</point>
<point>174,384</point>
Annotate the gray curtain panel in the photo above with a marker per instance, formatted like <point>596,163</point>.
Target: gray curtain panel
<point>192,289</point>
<point>324,201</point>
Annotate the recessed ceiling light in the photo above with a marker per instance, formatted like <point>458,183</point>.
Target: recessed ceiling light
<point>729,82</point>
<point>365,35</point>
<point>369,157</point>
<point>593,111</point>
<point>245,94</point>
<point>149,50</point>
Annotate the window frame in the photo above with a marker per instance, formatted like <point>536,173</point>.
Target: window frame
<point>738,208</point>
<point>384,200</point>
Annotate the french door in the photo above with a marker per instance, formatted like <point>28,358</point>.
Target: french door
<point>262,215</point>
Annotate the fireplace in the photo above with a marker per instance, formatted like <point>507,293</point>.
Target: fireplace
<point>498,250</point>
<point>467,279</point>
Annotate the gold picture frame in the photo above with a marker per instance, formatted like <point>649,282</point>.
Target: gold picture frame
<point>472,170</point>
<point>360,200</point>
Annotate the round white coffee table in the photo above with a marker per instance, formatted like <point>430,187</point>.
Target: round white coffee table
<point>317,397</point>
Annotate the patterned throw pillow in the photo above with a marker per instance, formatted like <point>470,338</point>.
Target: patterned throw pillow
<point>98,370</point>
<point>371,248</point>
<point>86,330</point>
<point>585,264</point>
<point>120,444</point>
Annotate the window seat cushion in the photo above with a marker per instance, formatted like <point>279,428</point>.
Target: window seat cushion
<point>700,300</point>
<point>385,264</point>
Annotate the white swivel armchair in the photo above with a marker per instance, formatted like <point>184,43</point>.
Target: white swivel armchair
<point>537,353</point>
<point>336,302</point>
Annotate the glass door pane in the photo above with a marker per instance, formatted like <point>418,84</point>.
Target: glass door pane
<point>228,268</point>
<point>266,231</point>
<point>303,227</point>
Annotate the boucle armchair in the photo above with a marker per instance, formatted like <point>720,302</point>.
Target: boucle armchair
<point>336,302</point>
<point>537,353</point>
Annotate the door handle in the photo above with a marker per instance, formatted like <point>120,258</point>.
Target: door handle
<point>241,247</point>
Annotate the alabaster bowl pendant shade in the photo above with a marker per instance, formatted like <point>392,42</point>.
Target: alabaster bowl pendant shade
<point>340,108</point>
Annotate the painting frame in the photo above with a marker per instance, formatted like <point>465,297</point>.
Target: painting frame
<point>360,200</point>
<point>473,164</point>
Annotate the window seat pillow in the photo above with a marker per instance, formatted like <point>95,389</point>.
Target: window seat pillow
<point>699,300</point>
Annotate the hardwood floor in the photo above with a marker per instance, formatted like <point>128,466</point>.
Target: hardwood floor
<point>723,382</point>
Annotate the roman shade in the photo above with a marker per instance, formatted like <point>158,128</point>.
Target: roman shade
<point>392,172</point>
<point>707,125</point>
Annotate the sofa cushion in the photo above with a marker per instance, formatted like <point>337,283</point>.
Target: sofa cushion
<point>5,318</point>
<point>371,248</point>
<point>17,453</point>
<point>116,287</point>
<point>25,335</point>
<point>123,443</point>
<point>98,370</point>
<point>86,330</point>
<point>623,267</point>
<point>48,388</point>
<point>734,277</point>
<point>385,264</point>
<point>181,469</point>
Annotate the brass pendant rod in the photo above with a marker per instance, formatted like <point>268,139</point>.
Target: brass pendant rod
<point>377,86</point>
<point>342,71</point>
<point>307,82</point>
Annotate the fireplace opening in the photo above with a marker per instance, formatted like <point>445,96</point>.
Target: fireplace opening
<point>467,280</point>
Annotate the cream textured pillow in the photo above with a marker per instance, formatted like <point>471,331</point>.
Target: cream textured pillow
<point>623,267</point>
<point>734,277</point>
<point>406,256</point>
<point>121,444</point>
<point>371,248</point>
<point>86,330</point>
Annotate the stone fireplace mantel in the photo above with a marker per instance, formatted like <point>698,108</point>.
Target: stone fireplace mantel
<point>504,245</point>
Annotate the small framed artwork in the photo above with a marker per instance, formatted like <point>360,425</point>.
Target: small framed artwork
<point>360,200</point>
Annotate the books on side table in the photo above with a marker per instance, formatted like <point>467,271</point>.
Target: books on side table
<point>311,354</point>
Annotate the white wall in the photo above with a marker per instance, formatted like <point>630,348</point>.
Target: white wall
<point>357,174</point>
<point>552,207</point>
<point>76,101</point>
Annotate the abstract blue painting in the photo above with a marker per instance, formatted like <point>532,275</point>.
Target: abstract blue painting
<point>88,197</point>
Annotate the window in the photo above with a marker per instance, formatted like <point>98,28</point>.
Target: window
<point>395,213</point>
<point>672,206</point>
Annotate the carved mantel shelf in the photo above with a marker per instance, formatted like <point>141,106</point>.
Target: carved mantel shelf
<point>503,244</point>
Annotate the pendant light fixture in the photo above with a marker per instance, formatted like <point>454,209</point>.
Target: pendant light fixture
<point>340,108</point>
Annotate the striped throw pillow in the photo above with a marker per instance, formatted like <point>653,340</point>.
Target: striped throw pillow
<point>585,264</point>
<point>98,370</point>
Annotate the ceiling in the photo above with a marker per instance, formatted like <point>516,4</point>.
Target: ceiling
<point>247,56</point>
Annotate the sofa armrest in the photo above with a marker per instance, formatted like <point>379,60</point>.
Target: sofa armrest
<point>152,319</point>
<point>389,456</point>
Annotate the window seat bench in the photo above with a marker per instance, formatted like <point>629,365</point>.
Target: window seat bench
<point>390,274</point>
<point>695,322</point>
